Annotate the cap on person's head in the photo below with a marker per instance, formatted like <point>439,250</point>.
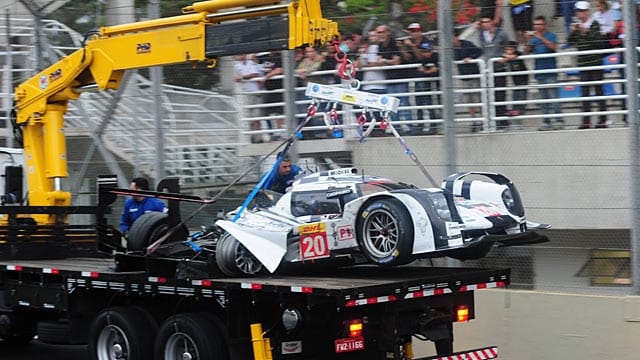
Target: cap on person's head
<point>414,26</point>
<point>582,5</point>
<point>426,46</point>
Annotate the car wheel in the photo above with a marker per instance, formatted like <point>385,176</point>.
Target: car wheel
<point>385,232</point>
<point>148,228</point>
<point>122,333</point>
<point>190,336</point>
<point>234,259</point>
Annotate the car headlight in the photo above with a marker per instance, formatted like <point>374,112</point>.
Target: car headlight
<point>508,200</point>
<point>291,319</point>
<point>441,205</point>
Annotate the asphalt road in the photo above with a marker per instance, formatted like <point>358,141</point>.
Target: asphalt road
<point>37,351</point>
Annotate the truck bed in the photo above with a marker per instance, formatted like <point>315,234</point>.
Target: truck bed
<point>350,286</point>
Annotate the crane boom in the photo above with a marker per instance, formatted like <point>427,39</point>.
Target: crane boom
<point>205,31</point>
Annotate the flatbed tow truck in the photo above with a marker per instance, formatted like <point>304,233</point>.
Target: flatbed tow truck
<point>75,284</point>
<point>357,313</point>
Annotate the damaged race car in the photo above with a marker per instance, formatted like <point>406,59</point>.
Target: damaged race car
<point>338,215</point>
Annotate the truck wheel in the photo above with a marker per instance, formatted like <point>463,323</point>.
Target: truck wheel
<point>234,259</point>
<point>385,232</point>
<point>148,228</point>
<point>190,336</point>
<point>122,333</point>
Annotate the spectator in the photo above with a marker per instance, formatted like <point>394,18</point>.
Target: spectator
<point>586,35</point>
<point>280,180</point>
<point>604,16</point>
<point>389,54</point>
<point>513,63</point>
<point>272,67</point>
<point>136,206</point>
<point>245,70</point>
<point>616,40</point>
<point>412,54</point>
<point>310,63</point>
<point>371,79</point>
<point>465,51</point>
<point>430,68</point>
<point>492,42</point>
<point>330,63</point>
<point>368,57</point>
<point>521,17</point>
<point>542,41</point>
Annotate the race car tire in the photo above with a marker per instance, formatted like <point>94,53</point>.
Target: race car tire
<point>190,335</point>
<point>234,259</point>
<point>148,228</point>
<point>123,333</point>
<point>385,232</point>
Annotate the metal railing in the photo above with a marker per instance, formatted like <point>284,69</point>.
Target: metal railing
<point>487,92</point>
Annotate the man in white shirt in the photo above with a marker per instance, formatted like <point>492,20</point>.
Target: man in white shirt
<point>245,70</point>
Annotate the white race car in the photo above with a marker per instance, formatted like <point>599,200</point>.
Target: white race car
<point>338,214</point>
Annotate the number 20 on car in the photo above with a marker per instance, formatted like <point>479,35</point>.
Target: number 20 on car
<point>313,241</point>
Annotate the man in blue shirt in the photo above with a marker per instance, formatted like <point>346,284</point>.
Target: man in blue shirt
<point>542,41</point>
<point>135,206</point>
<point>285,176</point>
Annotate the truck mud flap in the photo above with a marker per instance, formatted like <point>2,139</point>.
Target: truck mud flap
<point>490,352</point>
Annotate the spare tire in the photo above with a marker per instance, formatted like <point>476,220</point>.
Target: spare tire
<point>148,228</point>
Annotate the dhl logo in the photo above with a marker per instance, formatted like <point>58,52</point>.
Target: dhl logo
<point>312,228</point>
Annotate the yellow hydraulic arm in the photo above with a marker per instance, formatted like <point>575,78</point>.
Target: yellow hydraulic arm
<point>201,34</point>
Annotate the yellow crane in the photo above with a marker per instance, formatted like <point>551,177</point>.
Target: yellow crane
<point>205,31</point>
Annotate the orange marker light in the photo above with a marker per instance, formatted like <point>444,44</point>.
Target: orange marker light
<point>355,328</point>
<point>463,313</point>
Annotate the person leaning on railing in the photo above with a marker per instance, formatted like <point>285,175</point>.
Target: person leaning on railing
<point>541,41</point>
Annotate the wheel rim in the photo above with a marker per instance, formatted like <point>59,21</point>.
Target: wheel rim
<point>245,261</point>
<point>112,344</point>
<point>381,233</point>
<point>180,346</point>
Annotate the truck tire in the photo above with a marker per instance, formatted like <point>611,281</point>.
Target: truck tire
<point>148,228</point>
<point>190,336</point>
<point>234,259</point>
<point>122,333</point>
<point>385,232</point>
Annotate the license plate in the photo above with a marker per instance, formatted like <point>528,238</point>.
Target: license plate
<point>349,344</point>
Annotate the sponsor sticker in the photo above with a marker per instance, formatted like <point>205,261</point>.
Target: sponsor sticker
<point>291,347</point>
<point>313,241</point>
<point>143,48</point>
<point>345,232</point>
